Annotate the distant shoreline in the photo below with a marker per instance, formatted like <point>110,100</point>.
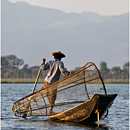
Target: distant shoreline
<point>20,81</point>
<point>13,81</point>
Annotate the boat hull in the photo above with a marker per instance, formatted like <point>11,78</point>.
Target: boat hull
<point>86,112</point>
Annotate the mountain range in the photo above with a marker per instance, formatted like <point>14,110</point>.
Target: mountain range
<point>32,33</point>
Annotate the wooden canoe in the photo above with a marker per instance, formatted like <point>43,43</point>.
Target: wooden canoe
<point>87,111</point>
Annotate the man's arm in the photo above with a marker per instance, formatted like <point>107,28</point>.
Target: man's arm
<point>62,69</point>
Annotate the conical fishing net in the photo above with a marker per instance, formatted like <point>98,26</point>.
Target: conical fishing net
<point>70,91</point>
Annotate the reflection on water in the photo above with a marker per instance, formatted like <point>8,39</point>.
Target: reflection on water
<point>117,119</point>
<point>55,125</point>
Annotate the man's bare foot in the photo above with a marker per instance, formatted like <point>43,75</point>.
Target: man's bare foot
<point>50,112</point>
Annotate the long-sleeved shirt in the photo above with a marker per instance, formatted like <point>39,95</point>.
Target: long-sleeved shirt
<point>56,67</point>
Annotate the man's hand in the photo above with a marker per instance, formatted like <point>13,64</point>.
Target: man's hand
<point>43,61</point>
<point>71,72</point>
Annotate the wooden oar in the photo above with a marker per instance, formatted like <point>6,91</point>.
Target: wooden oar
<point>38,76</point>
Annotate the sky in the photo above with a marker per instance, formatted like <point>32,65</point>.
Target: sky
<point>103,7</point>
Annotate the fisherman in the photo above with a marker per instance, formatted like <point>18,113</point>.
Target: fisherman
<point>56,67</point>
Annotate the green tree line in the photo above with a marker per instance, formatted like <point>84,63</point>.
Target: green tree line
<point>10,68</point>
<point>115,72</point>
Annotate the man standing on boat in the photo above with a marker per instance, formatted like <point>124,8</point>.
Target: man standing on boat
<point>56,67</point>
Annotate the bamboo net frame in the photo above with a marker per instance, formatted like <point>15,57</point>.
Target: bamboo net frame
<point>71,91</point>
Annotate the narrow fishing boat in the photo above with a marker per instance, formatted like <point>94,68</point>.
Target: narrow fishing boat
<point>81,97</point>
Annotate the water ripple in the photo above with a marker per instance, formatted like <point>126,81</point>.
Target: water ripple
<point>118,118</point>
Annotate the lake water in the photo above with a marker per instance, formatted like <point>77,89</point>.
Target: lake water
<point>117,119</point>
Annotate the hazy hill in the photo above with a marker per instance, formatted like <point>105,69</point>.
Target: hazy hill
<point>33,32</point>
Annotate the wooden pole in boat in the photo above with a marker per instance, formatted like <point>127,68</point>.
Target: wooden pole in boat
<point>97,111</point>
<point>43,61</point>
